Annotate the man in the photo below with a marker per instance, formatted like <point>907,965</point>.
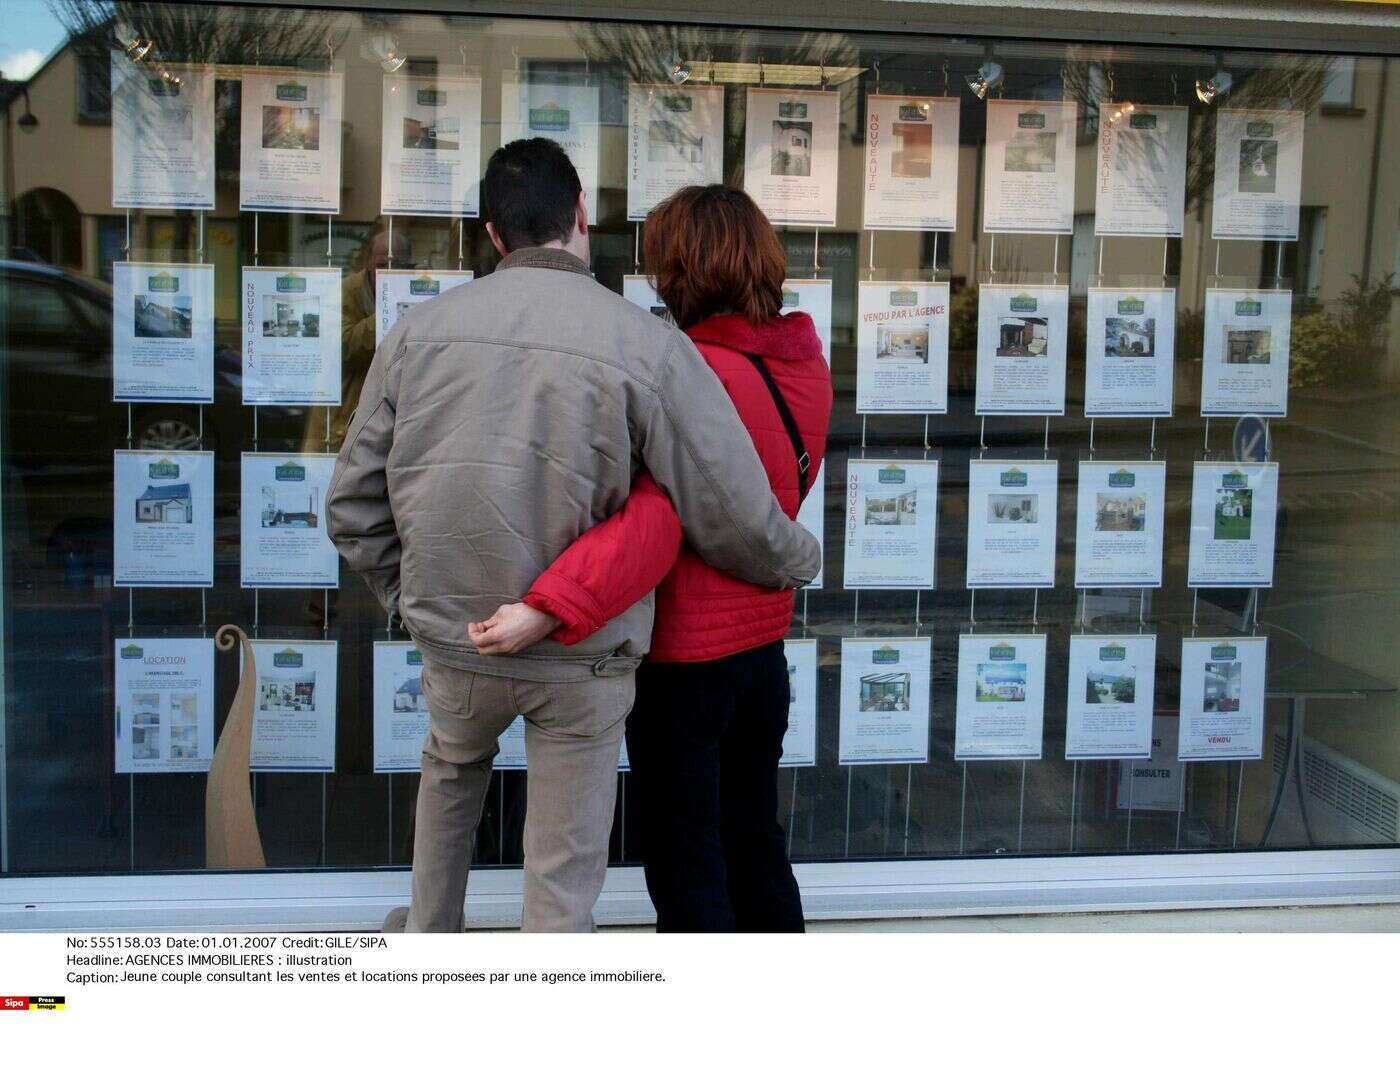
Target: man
<point>497,423</point>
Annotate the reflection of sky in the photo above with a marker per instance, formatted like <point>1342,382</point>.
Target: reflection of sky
<point>30,36</point>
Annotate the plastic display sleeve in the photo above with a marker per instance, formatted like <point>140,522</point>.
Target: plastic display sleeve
<point>611,566</point>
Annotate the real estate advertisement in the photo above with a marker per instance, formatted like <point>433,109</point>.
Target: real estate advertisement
<point>1141,177</point>
<point>400,707</point>
<point>1244,362</point>
<point>813,297</point>
<point>162,332</point>
<point>885,700</point>
<point>283,519</point>
<point>162,136</point>
<point>902,348</point>
<point>911,163</point>
<point>1222,698</point>
<point>1130,355</point>
<point>812,517</point>
<point>291,336</point>
<point>891,524</point>
<point>1109,712</point>
<point>290,141</point>
<point>1011,509</point>
<point>1258,174</point>
<point>1029,180</point>
<point>1120,523</point>
<point>430,159</point>
<point>1021,344</point>
<point>163,519</point>
<point>164,704</point>
<point>800,741</point>
<point>790,144</point>
<point>638,290</point>
<point>1156,784</point>
<point>562,109</point>
<point>294,706</point>
<point>397,290</point>
<point>675,139</point>
<point>1233,510</point>
<point>1001,697</point>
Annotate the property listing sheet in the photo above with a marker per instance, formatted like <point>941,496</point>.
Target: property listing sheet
<point>430,153</point>
<point>290,141</point>
<point>397,290</point>
<point>885,700</point>
<point>911,163</point>
<point>1028,182</point>
<point>1108,714</point>
<point>1011,509</point>
<point>1258,174</point>
<point>1120,522</point>
<point>295,706</point>
<point>1021,344</point>
<point>163,519</point>
<point>400,707</point>
<point>891,524</point>
<point>1233,512</point>
<point>1141,177</point>
<point>1222,698</point>
<point>1001,697</point>
<point>790,147</point>
<point>562,109</point>
<point>675,138</point>
<point>1244,362</point>
<point>812,517</point>
<point>283,520</point>
<point>1157,784</point>
<point>164,704</point>
<point>162,332</point>
<point>162,136</point>
<point>1129,361</point>
<point>902,348</point>
<point>800,741</point>
<point>291,336</point>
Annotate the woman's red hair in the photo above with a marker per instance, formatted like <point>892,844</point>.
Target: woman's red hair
<point>709,250</point>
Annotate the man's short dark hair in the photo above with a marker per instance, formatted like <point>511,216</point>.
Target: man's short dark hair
<point>529,193</point>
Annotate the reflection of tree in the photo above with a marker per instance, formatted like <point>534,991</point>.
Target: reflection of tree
<point>647,53</point>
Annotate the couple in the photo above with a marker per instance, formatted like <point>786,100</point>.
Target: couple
<point>532,458</point>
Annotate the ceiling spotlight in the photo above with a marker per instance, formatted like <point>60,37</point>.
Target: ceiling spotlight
<point>137,48</point>
<point>677,70</point>
<point>170,78</point>
<point>383,49</point>
<point>1218,83</point>
<point>987,78</point>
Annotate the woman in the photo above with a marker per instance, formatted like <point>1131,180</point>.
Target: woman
<point>705,735</point>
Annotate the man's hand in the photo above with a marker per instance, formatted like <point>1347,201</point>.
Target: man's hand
<point>511,629</point>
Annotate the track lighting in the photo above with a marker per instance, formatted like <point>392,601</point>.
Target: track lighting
<point>1218,83</point>
<point>137,48</point>
<point>383,49</point>
<point>987,78</point>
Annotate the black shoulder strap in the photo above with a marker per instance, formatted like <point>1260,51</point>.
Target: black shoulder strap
<point>804,460</point>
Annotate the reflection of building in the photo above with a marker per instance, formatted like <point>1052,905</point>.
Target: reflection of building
<point>888,692</point>
<point>165,503</point>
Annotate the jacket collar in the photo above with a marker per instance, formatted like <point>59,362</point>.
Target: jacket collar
<point>544,257</point>
<point>789,336</point>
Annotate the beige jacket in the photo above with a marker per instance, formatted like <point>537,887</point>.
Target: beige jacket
<point>505,417</point>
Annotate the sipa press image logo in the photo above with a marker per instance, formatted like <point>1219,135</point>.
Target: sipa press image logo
<point>32,1002</point>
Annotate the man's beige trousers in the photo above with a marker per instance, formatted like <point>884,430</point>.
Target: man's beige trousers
<point>573,733</point>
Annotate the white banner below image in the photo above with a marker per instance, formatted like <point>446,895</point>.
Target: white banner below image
<point>675,139</point>
<point>1108,714</point>
<point>1141,177</point>
<point>1029,181</point>
<point>164,704</point>
<point>563,110</point>
<point>162,136</point>
<point>891,524</point>
<point>399,290</point>
<point>911,163</point>
<point>290,140</point>
<point>295,707</point>
<point>1245,359</point>
<point>902,348</point>
<point>885,700</point>
<point>162,332</point>
<point>1011,517</point>
<point>291,336</point>
<point>163,519</point>
<point>1022,338</point>
<point>1234,508</point>
<point>1258,174</point>
<point>282,516</point>
<point>1001,697</point>
<point>1222,698</point>
<point>430,158</point>
<point>790,151</point>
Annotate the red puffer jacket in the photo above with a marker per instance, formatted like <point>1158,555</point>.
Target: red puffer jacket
<point>701,613</point>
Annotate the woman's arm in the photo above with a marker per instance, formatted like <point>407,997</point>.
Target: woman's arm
<point>599,576</point>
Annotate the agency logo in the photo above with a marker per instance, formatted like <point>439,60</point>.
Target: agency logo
<point>884,655</point>
<point>1031,120</point>
<point>904,296</point>
<point>1024,303</point>
<point>1233,481</point>
<point>677,102</point>
<point>424,286</point>
<point>549,116</point>
<point>1122,478</point>
<point>1143,121</point>
<point>164,470</point>
<point>913,113</point>
<point>891,475</point>
<point>432,98</point>
<point>414,658</point>
<point>288,657</point>
<point>792,109</point>
<point>1224,652</point>
<point>1258,128</point>
<point>291,283</point>
<point>1013,478</point>
<point>32,1002</point>
<point>163,282</point>
<point>1131,307</point>
<point>132,652</point>
<point>1113,653</point>
<point>1248,307</point>
<point>289,471</point>
<point>789,298</point>
<point>1001,651</point>
<point>290,91</point>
